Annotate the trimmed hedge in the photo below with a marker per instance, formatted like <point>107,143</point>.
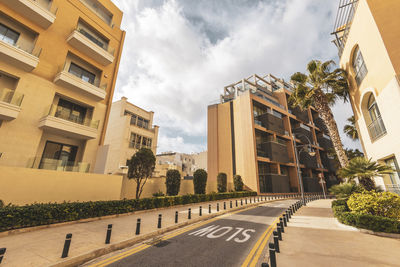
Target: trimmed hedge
<point>14,217</point>
<point>365,221</point>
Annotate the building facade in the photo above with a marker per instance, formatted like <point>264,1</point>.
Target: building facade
<point>129,129</point>
<point>251,133</point>
<point>59,61</point>
<point>186,164</point>
<point>366,34</point>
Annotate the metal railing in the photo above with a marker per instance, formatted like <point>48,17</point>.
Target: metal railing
<point>94,39</point>
<point>96,82</point>
<point>32,49</point>
<point>11,97</point>
<point>66,114</point>
<point>376,129</point>
<point>57,165</point>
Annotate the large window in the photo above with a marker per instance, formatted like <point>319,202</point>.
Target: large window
<point>359,66</point>
<point>138,141</point>
<point>376,128</point>
<point>57,155</point>
<point>138,121</point>
<point>70,111</point>
<point>81,73</point>
<point>7,35</point>
<point>395,176</point>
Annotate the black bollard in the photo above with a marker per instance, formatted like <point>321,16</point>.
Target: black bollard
<point>281,223</point>
<point>276,241</point>
<point>272,256</point>
<point>284,220</point>
<point>236,203</point>
<point>241,202</point>
<point>176,217</point>
<point>138,227</point>
<point>288,216</point>
<point>190,213</point>
<point>278,228</point>
<point>200,211</point>
<point>245,201</point>
<point>224,206</point>
<point>230,204</point>
<point>217,207</point>
<point>209,208</point>
<point>250,200</point>
<point>108,235</point>
<point>264,264</point>
<point>64,254</point>
<point>159,221</point>
<point>3,251</point>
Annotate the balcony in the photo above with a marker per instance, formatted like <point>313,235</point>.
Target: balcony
<point>300,114</point>
<point>10,104</point>
<point>68,80</point>
<point>376,129</point>
<point>27,59</point>
<point>39,12</point>
<point>86,43</point>
<point>272,122</point>
<point>58,165</point>
<point>67,125</point>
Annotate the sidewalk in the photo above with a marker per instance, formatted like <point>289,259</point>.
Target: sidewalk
<point>44,247</point>
<point>314,238</point>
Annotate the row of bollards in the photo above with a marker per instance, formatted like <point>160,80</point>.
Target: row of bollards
<point>280,226</point>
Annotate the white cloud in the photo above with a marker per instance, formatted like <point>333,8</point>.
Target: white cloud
<point>178,55</point>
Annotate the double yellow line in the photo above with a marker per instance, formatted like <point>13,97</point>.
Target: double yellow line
<point>137,249</point>
<point>255,253</point>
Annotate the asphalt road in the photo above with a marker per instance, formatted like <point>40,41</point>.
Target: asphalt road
<point>234,239</point>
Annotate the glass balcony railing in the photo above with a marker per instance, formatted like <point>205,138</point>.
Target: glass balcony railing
<point>97,41</point>
<point>67,114</point>
<point>376,129</point>
<point>58,165</point>
<point>30,49</point>
<point>261,153</point>
<point>11,97</point>
<point>96,81</point>
<point>257,122</point>
<point>268,99</point>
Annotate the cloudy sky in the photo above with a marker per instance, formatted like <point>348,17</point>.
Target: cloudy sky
<point>179,54</point>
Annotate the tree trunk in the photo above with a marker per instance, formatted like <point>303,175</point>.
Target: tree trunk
<point>367,183</point>
<point>325,112</point>
<point>137,189</point>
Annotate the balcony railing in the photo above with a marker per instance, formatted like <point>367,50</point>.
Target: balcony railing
<point>376,129</point>
<point>66,114</point>
<point>31,49</point>
<point>57,165</point>
<point>95,40</point>
<point>268,99</point>
<point>261,153</point>
<point>11,97</point>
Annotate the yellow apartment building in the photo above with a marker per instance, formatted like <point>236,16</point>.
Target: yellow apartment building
<point>129,129</point>
<point>59,61</point>
<point>367,36</point>
<point>252,132</point>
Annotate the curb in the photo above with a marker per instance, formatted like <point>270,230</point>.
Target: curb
<point>81,259</point>
<point>40,227</point>
<point>381,234</point>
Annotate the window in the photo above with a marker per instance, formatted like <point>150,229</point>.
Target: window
<point>376,128</point>
<point>7,35</point>
<point>81,73</point>
<point>57,155</point>
<point>138,141</point>
<point>359,66</point>
<point>70,111</point>
<point>395,176</point>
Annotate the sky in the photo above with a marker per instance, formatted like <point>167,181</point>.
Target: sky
<point>179,54</point>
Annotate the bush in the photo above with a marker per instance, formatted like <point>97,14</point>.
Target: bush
<point>238,182</point>
<point>200,181</point>
<point>344,190</point>
<point>221,182</point>
<point>173,182</point>
<point>1,203</point>
<point>385,204</point>
<point>159,194</point>
<point>14,217</point>
<point>370,222</point>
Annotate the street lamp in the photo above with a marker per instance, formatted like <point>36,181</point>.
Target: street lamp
<point>304,148</point>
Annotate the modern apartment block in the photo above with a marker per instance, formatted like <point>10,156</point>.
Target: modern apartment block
<point>366,34</point>
<point>58,66</point>
<point>129,129</point>
<point>183,162</point>
<point>250,133</point>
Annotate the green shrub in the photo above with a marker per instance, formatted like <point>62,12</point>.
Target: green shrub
<point>14,217</point>
<point>370,222</point>
<point>159,194</point>
<point>1,203</point>
<point>173,182</point>
<point>238,182</point>
<point>221,182</point>
<point>344,190</point>
<point>200,181</point>
<point>385,204</point>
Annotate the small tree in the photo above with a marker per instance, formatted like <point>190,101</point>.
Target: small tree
<point>140,168</point>
<point>173,182</point>
<point>238,182</point>
<point>200,181</point>
<point>221,182</point>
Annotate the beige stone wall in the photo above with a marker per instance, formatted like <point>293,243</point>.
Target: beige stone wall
<point>25,186</point>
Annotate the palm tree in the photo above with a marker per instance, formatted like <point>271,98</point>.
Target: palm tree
<point>364,169</point>
<point>320,88</point>
<point>350,129</point>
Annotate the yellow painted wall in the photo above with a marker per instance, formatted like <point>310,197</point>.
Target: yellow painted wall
<point>24,186</point>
